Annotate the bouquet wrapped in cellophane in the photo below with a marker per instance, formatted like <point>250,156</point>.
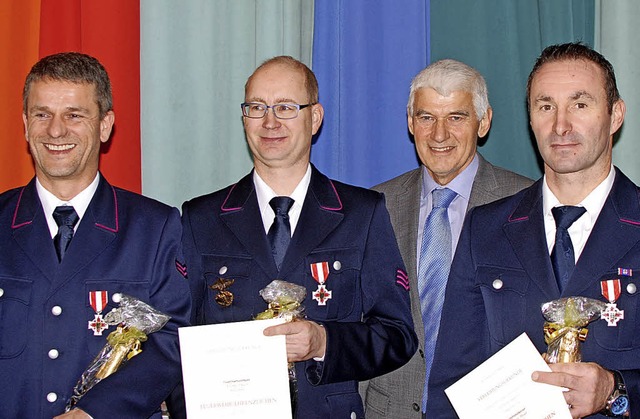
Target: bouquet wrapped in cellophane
<point>134,320</point>
<point>565,327</point>
<point>285,302</point>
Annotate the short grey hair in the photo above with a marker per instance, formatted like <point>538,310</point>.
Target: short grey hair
<point>72,67</point>
<point>447,76</point>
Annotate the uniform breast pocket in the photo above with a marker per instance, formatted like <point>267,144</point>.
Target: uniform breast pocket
<point>333,276</point>
<point>103,297</point>
<point>503,291</point>
<point>623,334</point>
<point>15,297</point>
<point>231,293</point>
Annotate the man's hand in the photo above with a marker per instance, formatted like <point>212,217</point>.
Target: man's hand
<point>305,339</point>
<point>74,414</point>
<point>589,385</point>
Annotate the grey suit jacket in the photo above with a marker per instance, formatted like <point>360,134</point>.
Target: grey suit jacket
<point>398,394</point>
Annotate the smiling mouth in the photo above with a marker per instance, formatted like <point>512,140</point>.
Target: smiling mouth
<point>441,149</point>
<point>272,139</point>
<point>59,147</point>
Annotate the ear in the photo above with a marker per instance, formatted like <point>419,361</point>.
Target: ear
<point>25,122</point>
<point>106,125</point>
<point>485,123</point>
<point>617,116</point>
<point>317,115</point>
<point>410,123</point>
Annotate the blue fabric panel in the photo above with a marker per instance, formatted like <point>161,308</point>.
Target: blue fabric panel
<point>365,53</point>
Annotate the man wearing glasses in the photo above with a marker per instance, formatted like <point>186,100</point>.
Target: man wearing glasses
<point>286,220</point>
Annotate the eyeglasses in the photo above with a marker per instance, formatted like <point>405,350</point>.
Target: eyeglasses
<point>257,110</point>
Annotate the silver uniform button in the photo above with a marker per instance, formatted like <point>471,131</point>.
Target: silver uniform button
<point>353,415</point>
<point>116,297</point>
<point>631,288</point>
<point>52,397</point>
<point>53,353</point>
<point>337,266</point>
<point>1,292</point>
<point>223,270</point>
<point>497,284</point>
<point>56,310</point>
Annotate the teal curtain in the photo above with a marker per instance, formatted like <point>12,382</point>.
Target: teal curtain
<point>195,58</point>
<point>617,38</point>
<point>502,39</point>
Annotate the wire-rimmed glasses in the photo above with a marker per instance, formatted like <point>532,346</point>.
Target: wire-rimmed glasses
<point>257,110</point>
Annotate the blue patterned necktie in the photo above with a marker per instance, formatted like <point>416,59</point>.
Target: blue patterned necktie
<point>280,232</point>
<point>66,217</point>
<point>562,256</point>
<point>433,271</point>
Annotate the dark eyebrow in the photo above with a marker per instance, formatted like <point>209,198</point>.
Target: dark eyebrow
<point>543,99</point>
<point>582,94</point>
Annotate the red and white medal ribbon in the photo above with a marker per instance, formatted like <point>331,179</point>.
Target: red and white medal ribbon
<point>610,290</point>
<point>320,272</point>
<point>98,301</point>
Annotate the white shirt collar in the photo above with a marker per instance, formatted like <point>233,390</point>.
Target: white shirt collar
<point>581,229</point>
<point>593,202</point>
<point>264,193</point>
<point>79,202</point>
<point>461,184</point>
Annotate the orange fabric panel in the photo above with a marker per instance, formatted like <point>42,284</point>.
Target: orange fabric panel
<point>19,33</point>
<point>110,31</point>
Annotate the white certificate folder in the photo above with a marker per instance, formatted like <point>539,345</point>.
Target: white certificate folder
<point>502,388</point>
<point>231,370</point>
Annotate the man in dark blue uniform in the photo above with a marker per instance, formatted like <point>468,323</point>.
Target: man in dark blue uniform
<point>339,245</point>
<point>70,244</point>
<point>506,267</point>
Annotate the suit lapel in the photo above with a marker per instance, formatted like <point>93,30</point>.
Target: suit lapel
<point>484,185</point>
<point>241,213</point>
<point>408,203</point>
<point>404,209</point>
<point>321,213</point>
<point>31,232</point>
<point>525,231</point>
<point>615,232</point>
<point>98,228</point>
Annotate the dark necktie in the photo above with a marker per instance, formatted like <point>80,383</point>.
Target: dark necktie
<point>280,231</point>
<point>562,256</point>
<point>66,218</point>
<point>433,270</point>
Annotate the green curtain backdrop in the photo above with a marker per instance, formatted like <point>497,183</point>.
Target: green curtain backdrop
<point>618,37</point>
<point>195,58</point>
<point>502,39</point>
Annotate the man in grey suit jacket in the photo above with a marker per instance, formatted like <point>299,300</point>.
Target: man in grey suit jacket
<point>448,110</point>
